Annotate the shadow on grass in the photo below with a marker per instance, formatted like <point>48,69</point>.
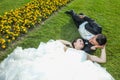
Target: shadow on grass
<point>69,31</point>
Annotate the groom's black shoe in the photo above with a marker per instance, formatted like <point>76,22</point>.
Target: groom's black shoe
<point>71,12</point>
<point>81,14</point>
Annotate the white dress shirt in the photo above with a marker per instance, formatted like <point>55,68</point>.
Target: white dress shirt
<point>83,32</point>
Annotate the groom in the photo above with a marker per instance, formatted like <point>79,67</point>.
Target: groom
<point>89,30</point>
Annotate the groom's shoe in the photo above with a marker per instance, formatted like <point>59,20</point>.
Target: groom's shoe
<point>81,14</point>
<point>71,12</point>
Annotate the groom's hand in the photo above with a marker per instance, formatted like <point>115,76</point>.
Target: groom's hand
<point>100,47</point>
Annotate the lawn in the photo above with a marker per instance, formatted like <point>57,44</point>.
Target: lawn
<point>7,5</point>
<point>61,26</point>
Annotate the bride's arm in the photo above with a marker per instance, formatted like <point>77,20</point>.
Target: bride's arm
<point>67,43</point>
<point>101,59</point>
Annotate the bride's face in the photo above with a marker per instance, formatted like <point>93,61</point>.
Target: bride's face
<point>79,44</point>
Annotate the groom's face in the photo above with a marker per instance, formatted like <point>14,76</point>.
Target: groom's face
<point>93,41</point>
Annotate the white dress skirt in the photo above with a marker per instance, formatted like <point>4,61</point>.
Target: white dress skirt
<point>50,62</point>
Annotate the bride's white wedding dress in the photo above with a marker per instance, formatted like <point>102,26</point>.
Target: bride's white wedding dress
<point>50,62</point>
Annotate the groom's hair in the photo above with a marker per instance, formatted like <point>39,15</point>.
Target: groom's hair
<point>101,39</point>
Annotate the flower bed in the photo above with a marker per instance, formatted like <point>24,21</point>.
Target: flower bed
<point>17,22</point>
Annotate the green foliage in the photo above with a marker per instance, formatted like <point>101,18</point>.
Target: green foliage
<point>7,5</point>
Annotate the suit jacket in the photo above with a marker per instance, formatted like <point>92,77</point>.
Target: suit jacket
<point>87,47</point>
<point>92,26</point>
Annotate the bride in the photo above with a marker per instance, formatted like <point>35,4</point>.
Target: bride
<point>54,60</point>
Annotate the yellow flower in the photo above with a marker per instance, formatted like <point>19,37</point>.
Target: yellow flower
<point>6,13</point>
<point>16,35</point>
<point>6,36</point>
<point>3,46</point>
<point>9,40</point>
<point>2,41</point>
<point>13,38</point>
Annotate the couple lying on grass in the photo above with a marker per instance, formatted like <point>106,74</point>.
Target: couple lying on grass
<point>60,59</point>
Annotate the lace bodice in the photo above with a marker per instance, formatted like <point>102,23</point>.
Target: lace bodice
<point>77,55</point>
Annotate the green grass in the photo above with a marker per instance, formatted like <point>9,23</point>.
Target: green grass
<point>7,5</point>
<point>61,26</point>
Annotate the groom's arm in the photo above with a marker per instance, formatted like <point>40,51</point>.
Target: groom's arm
<point>88,19</point>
